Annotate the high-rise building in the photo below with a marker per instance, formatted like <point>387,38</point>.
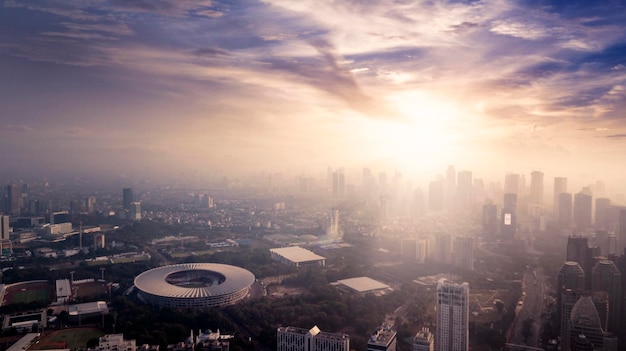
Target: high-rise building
<point>435,195</point>
<point>443,248</point>
<point>127,198</point>
<point>450,186</point>
<point>333,226</point>
<point>452,316</point>
<point>339,183</point>
<point>511,183</point>
<point>90,203</point>
<point>570,276</point>
<point>464,191</point>
<point>606,277</point>
<point>584,320</point>
<point>490,221</point>
<point>12,200</point>
<point>621,237</point>
<point>382,339</point>
<point>424,340</point>
<point>582,211</point>
<point>560,186</point>
<point>536,187</point>
<point>570,297</point>
<point>463,255</point>
<point>565,210</point>
<point>602,216</point>
<point>4,227</point>
<point>135,211</point>
<point>578,250</point>
<point>508,218</point>
<point>300,339</point>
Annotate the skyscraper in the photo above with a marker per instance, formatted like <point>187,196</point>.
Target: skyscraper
<point>424,341</point>
<point>584,320</point>
<point>511,183</point>
<point>127,198</point>
<point>508,219</point>
<point>578,250</point>
<point>463,255</point>
<point>435,195</point>
<point>582,211</point>
<point>602,217</point>
<point>4,227</point>
<point>339,183</point>
<point>570,277</point>
<point>452,316</point>
<point>565,210</point>
<point>606,277</point>
<point>621,237</point>
<point>536,187</point>
<point>560,186</point>
<point>464,191</point>
<point>300,339</point>
<point>450,186</point>
<point>490,221</point>
<point>12,200</point>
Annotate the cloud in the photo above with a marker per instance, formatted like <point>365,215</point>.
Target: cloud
<point>616,136</point>
<point>211,52</point>
<point>15,128</point>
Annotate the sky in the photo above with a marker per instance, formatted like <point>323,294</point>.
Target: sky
<point>218,87</point>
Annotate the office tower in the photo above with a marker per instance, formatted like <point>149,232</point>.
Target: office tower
<point>621,237</point>
<point>333,226</point>
<point>443,247</point>
<point>300,339</point>
<point>570,298</point>
<point>12,200</point>
<point>4,227</point>
<point>424,340</point>
<point>565,209</point>
<point>435,196</point>
<point>450,186</point>
<point>602,217</point>
<point>536,187</point>
<point>452,316</point>
<point>127,198</point>
<point>578,250</point>
<point>582,211</point>
<point>490,221</point>
<point>339,183</point>
<point>90,203</point>
<point>584,320</point>
<point>511,183</point>
<point>418,203</point>
<point>464,191</point>
<point>382,339</point>
<point>135,211</point>
<point>508,218</point>
<point>560,186</point>
<point>606,277</point>
<point>464,252</point>
<point>570,276</point>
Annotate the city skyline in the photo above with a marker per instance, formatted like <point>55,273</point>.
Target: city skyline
<point>173,87</point>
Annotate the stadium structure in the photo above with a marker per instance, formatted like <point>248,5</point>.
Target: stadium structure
<point>194,285</point>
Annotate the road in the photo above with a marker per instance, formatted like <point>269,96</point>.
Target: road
<point>532,306</point>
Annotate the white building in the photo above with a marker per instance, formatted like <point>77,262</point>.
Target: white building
<point>452,316</point>
<point>424,340</point>
<point>116,342</point>
<point>297,256</point>
<point>300,339</point>
<point>382,339</point>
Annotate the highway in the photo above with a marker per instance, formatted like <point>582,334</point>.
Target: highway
<point>532,306</point>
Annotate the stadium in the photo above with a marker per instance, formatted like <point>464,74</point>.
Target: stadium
<point>194,285</point>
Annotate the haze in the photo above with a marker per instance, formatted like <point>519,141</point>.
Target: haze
<point>205,87</point>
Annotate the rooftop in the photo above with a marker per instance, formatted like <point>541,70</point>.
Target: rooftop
<point>297,254</point>
<point>363,284</point>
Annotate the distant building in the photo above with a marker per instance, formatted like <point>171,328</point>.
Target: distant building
<point>452,316</point>
<point>464,191</point>
<point>297,256</point>
<point>560,186</point>
<point>424,340</point>
<point>59,229</point>
<point>602,219</point>
<point>135,211</point>
<point>127,197</point>
<point>565,209</point>
<point>606,277</point>
<point>435,196</point>
<point>511,183</point>
<point>12,200</point>
<point>115,342</point>
<point>382,339</point>
<point>4,227</point>
<point>508,218</point>
<point>443,248</point>
<point>582,211</point>
<point>536,187</point>
<point>300,339</point>
<point>490,221</point>
<point>90,204</point>
<point>464,252</point>
<point>363,285</point>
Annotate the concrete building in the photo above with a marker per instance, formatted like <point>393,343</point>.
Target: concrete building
<point>508,218</point>
<point>452,316</point>
<point>363,285</point>
<point>382,339</point>
<point>582,211</point>
<point>297,256</point>
<point>300,339</point>
<point>4,227</point>
<point>565,210</point>
<point>606,277</point>
<point>135,211</point>
<point>115,342</point>
<point>560,186</point>
<point>424,340</point>
<point>463,255</point>
<point>128,196</point>
<point>536,187</point>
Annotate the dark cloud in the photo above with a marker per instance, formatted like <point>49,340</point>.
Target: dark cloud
<point>464,27</point>
<point>211,52</point>
<point>616,136</point>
